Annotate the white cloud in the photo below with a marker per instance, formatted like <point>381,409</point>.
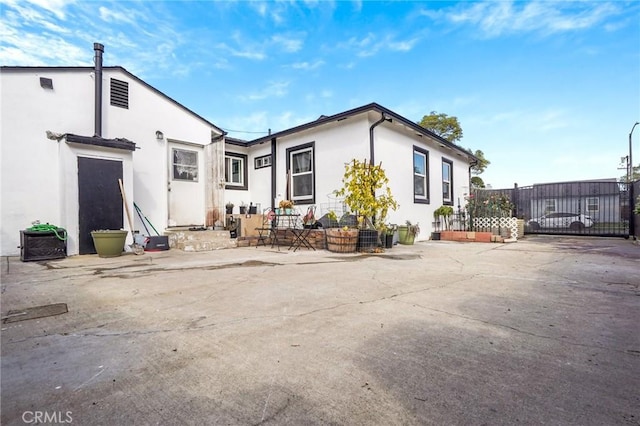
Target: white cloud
<point>402,46</point>
<point>288,44</point>
<point>289,119</point>
<point>508,17</point>
<point>371,44</point>
<point>307,66</point>
<point>27,49</point>
<point>55,7</point>
<point>276,89</point>
<point>246,53</point>
<point>111,15</point>
<point>326,94</point>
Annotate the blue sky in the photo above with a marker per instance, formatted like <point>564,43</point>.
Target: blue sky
<point>548,90</point>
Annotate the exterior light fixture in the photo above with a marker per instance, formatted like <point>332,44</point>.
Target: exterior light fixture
<point>159,135</point>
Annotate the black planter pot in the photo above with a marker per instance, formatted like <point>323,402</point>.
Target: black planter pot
<point>435,236</point>
<point>229,210</point>
<point>367,239</point>
<point>388,241</point>
<point>243,210</point>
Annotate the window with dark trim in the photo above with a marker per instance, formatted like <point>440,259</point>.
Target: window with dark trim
<point>263,161</point>
<point>420,175</point>
<point>185,165</point>
<point>235,170</point>
<point>301,166</point>
<point>119,93</point>
<point>447,182</point>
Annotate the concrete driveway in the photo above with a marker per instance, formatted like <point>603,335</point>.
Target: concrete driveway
<point>542,331</point>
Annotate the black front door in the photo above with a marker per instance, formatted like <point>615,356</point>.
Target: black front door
<point>99,199</point>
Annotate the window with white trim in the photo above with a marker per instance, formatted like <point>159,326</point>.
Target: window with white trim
<point>235,170</point>
<point>264,161</point>
<point>185,165</point>
<point>447,182</point>
<point>593,204</point>
<point>300,163</point>
<point>420,175</point>
<point>549,206</point>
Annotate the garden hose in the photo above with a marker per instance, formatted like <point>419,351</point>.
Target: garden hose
<point>47,228</point>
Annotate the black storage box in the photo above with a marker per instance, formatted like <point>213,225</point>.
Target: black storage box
<point>42,245</point>
<point>157,243</point>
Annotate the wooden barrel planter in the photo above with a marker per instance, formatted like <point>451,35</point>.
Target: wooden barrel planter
<point>342,241</point>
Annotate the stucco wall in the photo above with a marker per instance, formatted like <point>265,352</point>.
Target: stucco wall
<point>31,181</point>
<point>35,172</point>
<point>338,143</point>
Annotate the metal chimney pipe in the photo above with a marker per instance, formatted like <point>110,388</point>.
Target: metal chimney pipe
<point>99,49</point>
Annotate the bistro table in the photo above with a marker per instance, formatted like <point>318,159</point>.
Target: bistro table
<point>291,223</point>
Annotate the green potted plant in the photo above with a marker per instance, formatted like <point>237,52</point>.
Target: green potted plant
<point>229,207</point>
<point>387,232</point>
<point>243,207</point>
<point>408,232</point>
<point>367,195</point>
<point>442,217</point>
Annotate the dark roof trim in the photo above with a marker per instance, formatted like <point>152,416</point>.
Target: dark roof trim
<point>360,110</point>
<point>118,68</point>
<point>235,141</point>
<point>118,143</point>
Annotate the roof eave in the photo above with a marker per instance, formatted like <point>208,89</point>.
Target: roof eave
<point>365,108</point>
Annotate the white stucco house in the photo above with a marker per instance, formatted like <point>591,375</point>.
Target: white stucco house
<point>69,133</point>
<point>306,163</point>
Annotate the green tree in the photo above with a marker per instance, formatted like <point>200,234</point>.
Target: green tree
<point>477,182</point>
<point>635,177</point>
<point>482,163</point>
<point>445,126</point>
<point>367,193</point>
<point>449,128</point>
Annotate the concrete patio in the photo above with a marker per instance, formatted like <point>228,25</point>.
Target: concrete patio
<point>542,331</point>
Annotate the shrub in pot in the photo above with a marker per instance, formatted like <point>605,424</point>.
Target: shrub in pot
<point>367,194</point>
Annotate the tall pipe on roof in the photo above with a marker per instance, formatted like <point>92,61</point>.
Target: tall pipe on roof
<point>99,49</point>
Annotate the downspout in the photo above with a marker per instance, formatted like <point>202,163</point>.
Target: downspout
<point>372,158</point>
<point>99,49</point>
<point>471,166</point>
<point>273,172</point>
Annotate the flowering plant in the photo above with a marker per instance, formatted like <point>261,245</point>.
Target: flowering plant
<point>286,204</point>
<point>489,205</point>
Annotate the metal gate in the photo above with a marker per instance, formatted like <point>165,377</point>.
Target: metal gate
<point>597,208</point>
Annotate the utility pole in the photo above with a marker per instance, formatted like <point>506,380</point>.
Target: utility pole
<point>632,227</point>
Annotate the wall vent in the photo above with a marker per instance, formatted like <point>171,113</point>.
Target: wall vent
<point>119,93</point>
<point>46,83</point>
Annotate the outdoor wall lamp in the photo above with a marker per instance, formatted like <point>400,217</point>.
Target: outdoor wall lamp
<point>159,135</point>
